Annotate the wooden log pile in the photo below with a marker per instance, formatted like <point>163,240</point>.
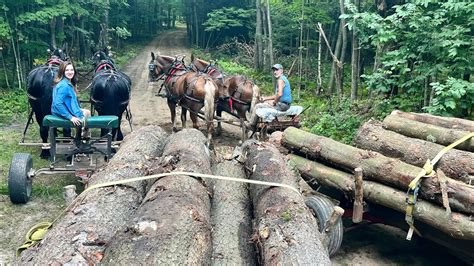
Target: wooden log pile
<point>391,154</point>
<point>185,219</point>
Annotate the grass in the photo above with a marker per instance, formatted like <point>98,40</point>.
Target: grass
<point>45,186</point>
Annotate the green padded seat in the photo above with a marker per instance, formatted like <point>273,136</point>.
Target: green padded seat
<point>101,121</point>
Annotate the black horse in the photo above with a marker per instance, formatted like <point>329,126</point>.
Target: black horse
<point>110,89</point>
<point>40,92</point>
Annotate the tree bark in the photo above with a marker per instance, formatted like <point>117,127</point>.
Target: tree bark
<point>82,235</point>
<point>340,78</point>
<point>428,132</point>
<point>334,67</point>
<point>377,167</point>
<point>231,218</point>
<point>258,60</point>
<point>286,231</point>
<point>270,35</point>
<point>459,226</point>
<point>355,58</point>
<point>447,122</point>
<point>456,164</point>
<point>172,224</point>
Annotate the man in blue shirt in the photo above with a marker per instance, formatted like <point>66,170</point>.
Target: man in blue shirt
<point>281,100</point>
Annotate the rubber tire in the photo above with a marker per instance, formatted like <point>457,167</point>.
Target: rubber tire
<point>322,209</point>
<point>19,184</point>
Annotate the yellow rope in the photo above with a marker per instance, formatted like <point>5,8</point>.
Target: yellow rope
<point>38,231</point>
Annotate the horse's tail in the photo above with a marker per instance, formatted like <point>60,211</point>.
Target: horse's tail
<point>255,98</point>
<point>211,90</point>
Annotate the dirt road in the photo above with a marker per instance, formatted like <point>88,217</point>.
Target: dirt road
<point>149,109</point>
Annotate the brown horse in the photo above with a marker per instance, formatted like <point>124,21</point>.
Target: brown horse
<point>241,94</point>
<point>189,89</point>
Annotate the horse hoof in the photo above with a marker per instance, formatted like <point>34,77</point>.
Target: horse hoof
<point>175,129</point>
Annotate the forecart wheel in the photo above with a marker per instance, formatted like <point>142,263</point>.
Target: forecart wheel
<point>322,208</point>
<point>19,182</point>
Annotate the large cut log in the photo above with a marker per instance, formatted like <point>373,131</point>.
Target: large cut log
<point>231,218</point>
<point>81,236</point>
<point>456,164</point>
<point>286,231</point>
<point>459,225</point>
<point>436,134</point>
<point>172,225</point>
<point>377,167</point>
<point>447,122</point>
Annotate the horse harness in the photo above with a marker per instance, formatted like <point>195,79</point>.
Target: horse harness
<point>171,78</point>
<point>53,63</point>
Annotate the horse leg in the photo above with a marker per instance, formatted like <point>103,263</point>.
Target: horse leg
<point>183,117</point>
<point>172,106</point>
<point>194,118</point>
<point>119,131</point>
<point>244,129</point>
<point>219,126</point>
<point>45,154</point>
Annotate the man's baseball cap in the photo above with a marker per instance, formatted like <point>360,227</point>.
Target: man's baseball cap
<point>277,66</point>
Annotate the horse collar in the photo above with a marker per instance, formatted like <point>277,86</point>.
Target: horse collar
<point>105,65</point>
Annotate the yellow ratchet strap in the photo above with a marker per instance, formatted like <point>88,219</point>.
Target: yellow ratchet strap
<point>414,186</point>
<point>37,232</point>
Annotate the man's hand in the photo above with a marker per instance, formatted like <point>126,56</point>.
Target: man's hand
<point>76,121</point>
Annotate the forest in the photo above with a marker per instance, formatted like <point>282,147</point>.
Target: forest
<point>348,60</point>
<point>350,63</point>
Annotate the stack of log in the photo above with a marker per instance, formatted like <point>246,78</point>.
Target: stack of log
<point>391,154</point>
<point>184,219</point>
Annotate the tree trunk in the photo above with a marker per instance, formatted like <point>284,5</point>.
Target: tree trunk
<point>286,231</point>
<point>340,79</point>
<point>377,167</point>
<point>258,60</point>
<point>355,58</point>
<point>428,132</point>
<point>334,66</point>
<point>300,53</point>
<point>52,33</point>
<point>171,226</point>
<point>270,35</point>
<point>231,218</point>
<point>196,27</point>
<point>456,164</point>
<point>447,122</point>
<point>458,225</point>
<point>88,227</point>
<point>319,87</point>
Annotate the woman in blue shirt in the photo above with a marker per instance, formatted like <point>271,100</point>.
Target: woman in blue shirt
<point>65,103</point>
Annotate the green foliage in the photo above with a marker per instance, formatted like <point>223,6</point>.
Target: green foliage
<point>422,39</point>
<point>453,98</point>
<point>122,32</point>
<point>4,29</point>
<point>14,106</point>
<point>226,18</point>
<point>340,119</point>
<point>45,14</point>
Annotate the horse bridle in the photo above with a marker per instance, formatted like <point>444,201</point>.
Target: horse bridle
<point>151,67</point>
